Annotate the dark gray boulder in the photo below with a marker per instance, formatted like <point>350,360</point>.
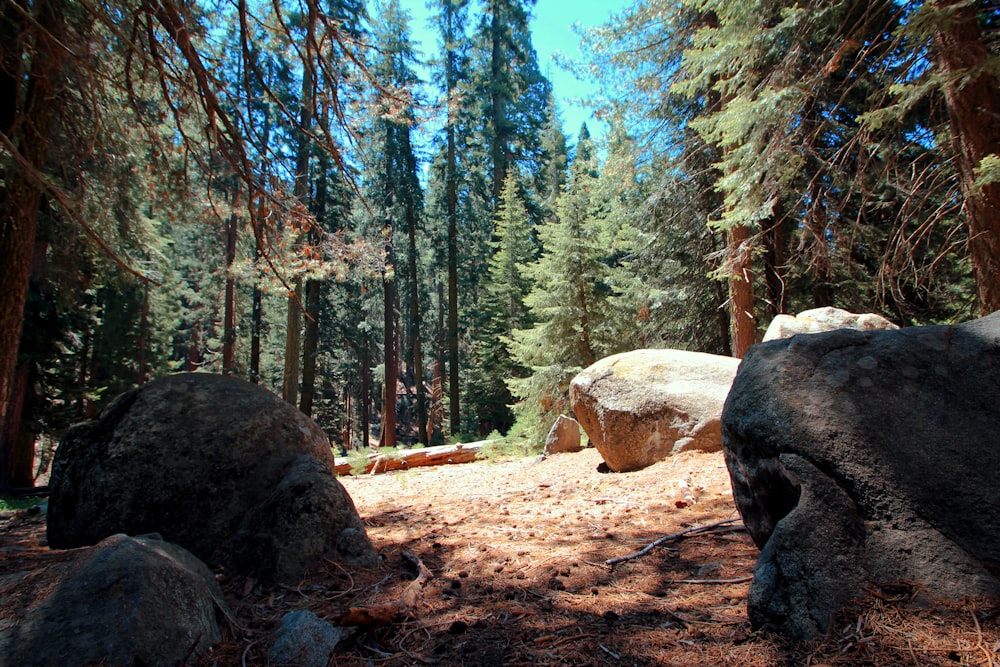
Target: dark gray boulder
<point>860,457</point>
<point>217,465</point>
<point>126,601</point>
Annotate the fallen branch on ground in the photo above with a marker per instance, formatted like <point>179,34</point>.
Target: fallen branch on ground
<point>693,530</point>
<point>392,612</point>
<point>736,580</point>
<point>412,458</point>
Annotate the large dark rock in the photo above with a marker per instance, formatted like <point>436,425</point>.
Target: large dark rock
<point>217,465</point>
<point>640,407</point>
<point>127,601</point>
<point>861,457</point>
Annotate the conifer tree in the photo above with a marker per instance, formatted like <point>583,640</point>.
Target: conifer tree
<point>570,301</point>
<point>396,192</point>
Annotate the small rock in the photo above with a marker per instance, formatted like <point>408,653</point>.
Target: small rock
<point>305,640</point>
<point>564,437</point>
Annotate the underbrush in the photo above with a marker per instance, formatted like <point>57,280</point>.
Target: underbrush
<point>10,504</point>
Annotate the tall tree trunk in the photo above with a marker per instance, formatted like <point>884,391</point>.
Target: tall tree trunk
<point>451,198</point>
<point>498,104</point>
<point>310,346</point>
<point>194,359</point>
<point>416,360</point>
<point>387,437</point>
<point>83,377</point>
<point>293,344</point>
<point>973,100</point>
<point>257,305</point>
<point>256,322</point>
<point>744,325</point>
<point>774,263</point>
<point>17,426</point>
<point>345,435</point>
<point>366,392</point>
<point>721,309</point>
<point>293,332</point>
<point>26,128</point>
<point>229,305</point>
<point>141,362</point>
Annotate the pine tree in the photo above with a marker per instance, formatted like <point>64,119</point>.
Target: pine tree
<point>452,19</point>
<point>394,183</point>
<point>571,299</point>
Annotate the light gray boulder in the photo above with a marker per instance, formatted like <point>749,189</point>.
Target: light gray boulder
<point>215,464</point>
<point>126,601</point>
<point>639,407</point>
<point>867,457</point>
<point>828,318</point>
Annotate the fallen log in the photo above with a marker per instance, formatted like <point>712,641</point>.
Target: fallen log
<point>412,458</point>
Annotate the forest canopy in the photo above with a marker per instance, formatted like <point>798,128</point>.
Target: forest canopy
<point>409,248</point>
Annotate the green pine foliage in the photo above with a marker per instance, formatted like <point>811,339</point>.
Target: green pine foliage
<point>508,261</point>
<point>571,300</point>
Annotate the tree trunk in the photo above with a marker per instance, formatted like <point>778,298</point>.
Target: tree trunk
<point>256,322</point>
<point>293,344</point>
<point>28,128</point>
<point>744,326</point>
<point>345,436</point>
<point>387,436</point>
<point>973,101</point>
<point>310,346</point>
<point>194,359</point>
<point>416,360</point>
<point>229,307</point>
<point>454,382</point>
<point>24,447</point>
<point>141,362</point>
<point>499,120</point>
<point>314,301</point>
<point>366,392</point>
<point>774,263</point>
<point>293,334</point>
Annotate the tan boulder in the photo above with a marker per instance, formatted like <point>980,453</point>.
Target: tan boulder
<point>639,407</point>
<point>564,436</point>
<point>828,318</point>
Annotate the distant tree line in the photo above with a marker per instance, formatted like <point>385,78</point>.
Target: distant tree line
<point>270,190</point>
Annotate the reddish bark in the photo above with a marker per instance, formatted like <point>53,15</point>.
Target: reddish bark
<point>973,100</point>
<point>27,121</point>
<point>744,325</point>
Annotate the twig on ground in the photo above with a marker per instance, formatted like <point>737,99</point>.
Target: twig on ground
<point>610,652</point>
<point>736,580</point>
<point>564,640</point>
<point>673,536</point>
<point>391,612</point>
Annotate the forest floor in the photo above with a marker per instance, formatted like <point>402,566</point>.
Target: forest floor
<point>517,551</point>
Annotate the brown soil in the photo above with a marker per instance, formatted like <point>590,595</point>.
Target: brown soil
<point>518,551</point>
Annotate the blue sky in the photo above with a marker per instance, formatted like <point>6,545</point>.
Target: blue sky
<point>551,31</point>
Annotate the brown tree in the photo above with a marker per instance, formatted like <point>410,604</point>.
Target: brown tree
<point>972,94</point>
<point>27,114</point>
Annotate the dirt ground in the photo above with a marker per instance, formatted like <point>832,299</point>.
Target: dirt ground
<point>517,551</point>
